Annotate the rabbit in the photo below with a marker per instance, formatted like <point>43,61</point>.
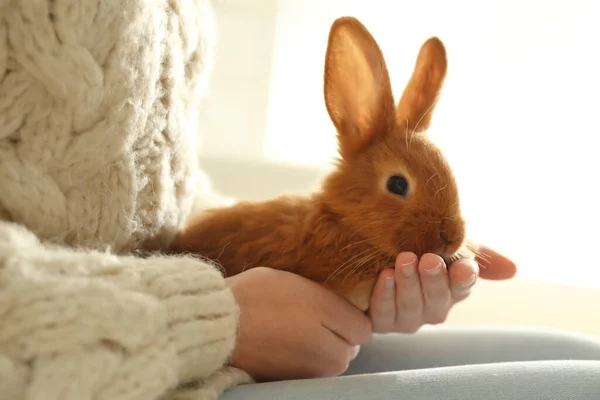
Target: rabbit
<point>391,190</point>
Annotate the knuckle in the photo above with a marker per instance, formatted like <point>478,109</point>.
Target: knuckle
<point>362,331</point>
<point>446,302</point>
<point>411,305</point>
<point>409,328</point>
<point>387,326</point>
<point>366,332</point>
<point>460,297</point>
<point>380,316</point>
<point>407,323</point>
<point>437,318</point>
<point>354,352</point>
<point>438,306</point>
<point>439,296</point>
<point>337,366</point>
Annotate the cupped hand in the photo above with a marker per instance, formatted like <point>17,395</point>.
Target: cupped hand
<point>418,292</point>
<point>293,328</point>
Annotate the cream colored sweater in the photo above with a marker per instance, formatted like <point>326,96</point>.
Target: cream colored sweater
<point>98,158</point>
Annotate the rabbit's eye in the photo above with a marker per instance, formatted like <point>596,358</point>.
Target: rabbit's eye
<point>398,185</point>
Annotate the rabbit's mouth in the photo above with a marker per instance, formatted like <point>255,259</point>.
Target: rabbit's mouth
<point>467,251</point>
<point>449,260</point>
<point>449,253</point>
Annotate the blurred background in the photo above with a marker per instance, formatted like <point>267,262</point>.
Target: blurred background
<point>518,121</point>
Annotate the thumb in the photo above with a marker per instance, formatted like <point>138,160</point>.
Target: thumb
<point>493,265</point>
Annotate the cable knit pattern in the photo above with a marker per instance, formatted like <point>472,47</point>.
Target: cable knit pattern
<point>98,158</point>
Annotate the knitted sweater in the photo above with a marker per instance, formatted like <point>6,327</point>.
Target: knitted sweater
<point>98,158</point>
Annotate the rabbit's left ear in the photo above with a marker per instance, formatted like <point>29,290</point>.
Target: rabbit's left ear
<point>420,96</point>
<point>357,87</point>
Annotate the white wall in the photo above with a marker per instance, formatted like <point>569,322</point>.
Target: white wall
<point>235,111</point>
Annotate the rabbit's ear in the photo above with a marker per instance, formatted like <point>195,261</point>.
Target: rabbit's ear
<point>357,87</point>
<point>420,96</point>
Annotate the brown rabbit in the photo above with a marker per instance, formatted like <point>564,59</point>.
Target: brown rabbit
<point>392,190</point>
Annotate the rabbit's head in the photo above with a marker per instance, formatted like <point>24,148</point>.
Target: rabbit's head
<point>392,184</point>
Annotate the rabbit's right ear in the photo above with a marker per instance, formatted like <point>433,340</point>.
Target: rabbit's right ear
<point>357,88</point>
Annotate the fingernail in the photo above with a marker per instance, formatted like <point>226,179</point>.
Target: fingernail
<point>469,281</point>
<point>408,270</point>
<point>435,270</point>
<point>389,282</point>
<point>408,267</point>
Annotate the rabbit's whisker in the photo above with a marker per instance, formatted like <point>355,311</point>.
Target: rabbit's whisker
<point>371,257</point>
<point>353,244</point>
<point>440,189</point>
<point>407,134</point>
<point>342,267</point>
<point>430,178</point>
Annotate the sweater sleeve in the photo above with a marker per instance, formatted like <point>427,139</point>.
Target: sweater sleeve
<point>88,324</point>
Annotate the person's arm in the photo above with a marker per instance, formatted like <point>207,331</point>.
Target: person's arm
<point>88,324</point>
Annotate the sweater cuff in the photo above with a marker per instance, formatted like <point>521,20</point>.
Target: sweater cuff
<point>201,311</point>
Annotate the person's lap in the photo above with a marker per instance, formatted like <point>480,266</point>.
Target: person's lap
<point>448,346</point>
<point>549,380</point>
<point>448,363</point>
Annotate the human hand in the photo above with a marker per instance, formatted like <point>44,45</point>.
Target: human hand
<point>418,292</point>
<point>293,328</point>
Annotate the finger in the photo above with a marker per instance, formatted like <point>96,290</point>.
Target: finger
<point>354,350</point>
<point>344,319</point>
<point>463,276</point>
<point>334,355</point>
<point>494,266</point>
<point>382,309</point>
<point>409,298</point>
<point>436,288</point>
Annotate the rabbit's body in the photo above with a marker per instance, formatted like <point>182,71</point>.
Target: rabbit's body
<point>301,235</point>
<point>392,190</point>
